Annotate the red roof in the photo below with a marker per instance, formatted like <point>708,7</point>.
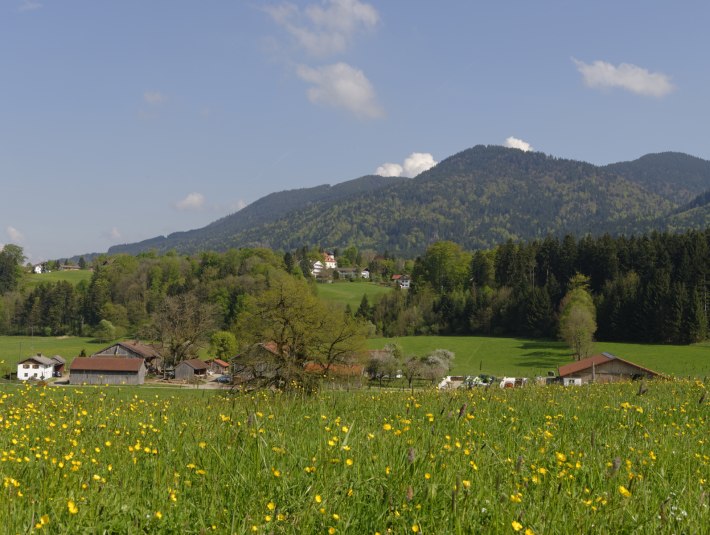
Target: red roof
<point>596,360</point>
<point>107,364</point>
<point>221,363</point>
<point>335,369</point>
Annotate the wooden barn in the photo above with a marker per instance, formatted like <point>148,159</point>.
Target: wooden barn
<point>107,370</point>
<point>603,368</point>
<point>218,366</point>
<point>189,369</point>
<point>134,349</point>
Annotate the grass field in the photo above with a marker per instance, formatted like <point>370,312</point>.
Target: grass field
<point>34,279</point>
<point>520,357</point>
<point>596,459</point>
<point>16,348</point>
<point>351,292</point>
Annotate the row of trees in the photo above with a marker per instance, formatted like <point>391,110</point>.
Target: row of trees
<point>652,288</point>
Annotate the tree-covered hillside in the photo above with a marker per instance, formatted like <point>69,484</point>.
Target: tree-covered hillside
<point>478,198</point>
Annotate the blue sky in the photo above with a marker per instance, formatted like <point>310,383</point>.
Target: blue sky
<point>124,120</point>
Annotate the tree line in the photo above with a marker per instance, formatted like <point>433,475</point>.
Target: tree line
<point>652,288</point>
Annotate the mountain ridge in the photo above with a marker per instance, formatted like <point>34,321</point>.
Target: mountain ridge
<point>477,197</point>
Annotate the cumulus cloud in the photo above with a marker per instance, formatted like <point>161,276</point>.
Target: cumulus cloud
<point>414,164</point>
<point>389,169</point>
<point>341,86</point>
<point>115,234</point>
<point>193,201</point>
<point>154,97</point>
<point>515,143</point>
<point>325,29</point>
<point>602,75</point>
<point>15,235</point>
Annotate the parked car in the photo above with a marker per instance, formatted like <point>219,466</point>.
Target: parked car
<point>224,379</point>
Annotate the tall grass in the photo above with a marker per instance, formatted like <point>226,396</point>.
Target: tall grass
<point>597,459</point>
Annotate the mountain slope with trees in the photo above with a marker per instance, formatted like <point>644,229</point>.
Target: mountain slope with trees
<point>479,197</point>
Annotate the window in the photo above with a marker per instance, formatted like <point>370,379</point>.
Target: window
<point>25,366</point>
<point>35,366</point>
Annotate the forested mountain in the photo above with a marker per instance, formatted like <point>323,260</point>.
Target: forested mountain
<point>479,197</point>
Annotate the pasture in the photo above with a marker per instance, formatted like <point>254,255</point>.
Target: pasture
<point>15,348</point>
<point>521,357</point>
<point>351,292</point>
<point>31,280</point>
<point>553,460</point>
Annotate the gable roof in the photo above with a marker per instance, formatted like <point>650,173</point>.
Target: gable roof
<point>144,350</point>
<point>220,362</point>
<point>596,360</point>
<point>195,364</point>
<point>106,364</point>
<point>39,359</point>
<point>59,359</point>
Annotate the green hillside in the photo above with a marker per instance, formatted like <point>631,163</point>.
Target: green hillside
<point>479,197</point>
<point>350,293</point>
<point>75,277</point>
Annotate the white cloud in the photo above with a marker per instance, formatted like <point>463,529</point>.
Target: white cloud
<point>414,164</point>
<point>341,86</point>
<point>193,201</point>
<point>329,28</point>
<point>238,205</point>
<point>601,74</point>
<point>389,169</point>
<point>29,5</point>
<point>418,162</point>
<point>15,235</point>
<point>515,143</point>
<point>115,234</point>
<point>154,97</point>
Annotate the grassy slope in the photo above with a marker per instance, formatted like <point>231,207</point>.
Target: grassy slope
<point>14,348</point>
<point>520,357</point>
<point>351,292</point>
<point>34,279</point>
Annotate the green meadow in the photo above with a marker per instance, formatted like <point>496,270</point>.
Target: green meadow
<point>597,459</point>
<point>75,277</point>
<point>521,357</point>
<point>351,292</point>
<point>16,348</point>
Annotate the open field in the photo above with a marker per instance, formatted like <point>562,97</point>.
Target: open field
<point>596,459</point>
<point>520,357</point>
<point>351,292</point>
<point>34,279</point>
<point>16,348</point>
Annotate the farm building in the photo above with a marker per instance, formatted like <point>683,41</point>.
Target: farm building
<point>189,369</point>
<point>258,362</point>
<point>36,367</point>
<point>59,364</point>
<point>218,366</point>
<point>603,368</point>
<point>107,370</point>
<point>134,349</point>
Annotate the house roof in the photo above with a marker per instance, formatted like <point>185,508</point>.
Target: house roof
<point>596,360</point>
<point>106,364</point>
<point>221,363</point>
<point>195,364</point>
<point>335,369</point>
<point>144,350</point>
<point>59,359</point>
<point>39,359</point>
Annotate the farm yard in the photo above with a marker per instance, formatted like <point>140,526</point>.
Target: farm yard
<point>594,459</point>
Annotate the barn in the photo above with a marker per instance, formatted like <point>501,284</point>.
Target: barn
<point>189,369</point>
<point>107,370</point>
<point>603,368</point>
<point>136,350</point>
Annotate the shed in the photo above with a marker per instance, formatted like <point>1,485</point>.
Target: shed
<point>603,368</point>
<point>59,364</point>
<point>189,369</point>
<point>218,366</point>
<point>107,370</point>
<point>36,367</point>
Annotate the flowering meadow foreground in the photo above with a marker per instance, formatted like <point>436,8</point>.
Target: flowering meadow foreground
<point>597,459</point>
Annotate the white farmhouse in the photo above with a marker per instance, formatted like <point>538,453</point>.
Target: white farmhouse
<point>36,367</point>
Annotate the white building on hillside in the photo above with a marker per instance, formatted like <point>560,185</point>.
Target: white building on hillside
<point>36,367</point>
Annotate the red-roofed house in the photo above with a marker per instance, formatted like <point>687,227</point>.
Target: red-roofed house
<point>603,368</point>
<point>218,366</point>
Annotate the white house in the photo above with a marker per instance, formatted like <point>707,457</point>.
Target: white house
<point>316,268</point>
<point>365,273</point>
<point>36,367</point>
<point>329,261</point>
